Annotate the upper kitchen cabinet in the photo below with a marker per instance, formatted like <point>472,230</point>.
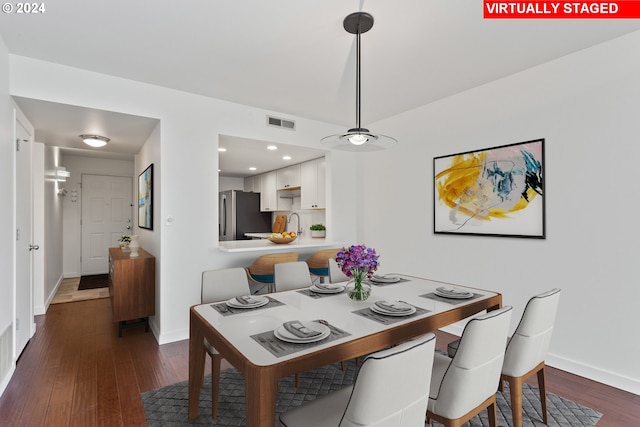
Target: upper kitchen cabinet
<point>268,192</point>
<point>288,177</point>
<point>252,184</point>
<point>312,191</point>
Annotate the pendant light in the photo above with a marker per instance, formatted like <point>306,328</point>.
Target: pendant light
<point>358,138</point>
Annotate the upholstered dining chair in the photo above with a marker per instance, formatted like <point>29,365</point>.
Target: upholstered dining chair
<point>465,385</point>
<point>318,263</point>
<point>335,272</point>
<point>391,390</point>
<point>291,275</point>
<point>220,285</point>
<point>261,271</point>
<point>527,350</point>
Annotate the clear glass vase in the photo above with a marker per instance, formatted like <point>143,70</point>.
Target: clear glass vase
<point>358,290</point>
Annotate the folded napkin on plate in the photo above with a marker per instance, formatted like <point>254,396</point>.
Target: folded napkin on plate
<point>393,306</point>
<point>328,287</point>
<point>452,291</point>
<point>299,330</point>
<point>246,299</point>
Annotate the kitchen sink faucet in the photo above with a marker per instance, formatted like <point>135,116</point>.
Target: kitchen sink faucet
<point>298,216</point>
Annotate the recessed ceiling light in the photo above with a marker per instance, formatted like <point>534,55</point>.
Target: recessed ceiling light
<point>252,168</point>
<point>94,140</point>
<point>222,149</point>
<point>272,147</point>
<point>286,157</point>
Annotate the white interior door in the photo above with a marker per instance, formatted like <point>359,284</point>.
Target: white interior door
<point>107,204</point>
<point>24,225</point>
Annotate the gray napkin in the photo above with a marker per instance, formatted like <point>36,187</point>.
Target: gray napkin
<point>328,287</point>
<point>299,330</point>
<point>246,299</point>
<point>390,306</point>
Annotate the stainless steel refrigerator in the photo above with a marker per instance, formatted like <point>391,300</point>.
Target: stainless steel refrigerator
<point>239,214</point>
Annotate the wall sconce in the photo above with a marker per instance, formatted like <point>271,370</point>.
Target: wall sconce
<point>61,174</point>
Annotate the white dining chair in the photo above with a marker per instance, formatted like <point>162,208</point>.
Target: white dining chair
<point>335,272</point>
<point>527,350</point>
<point>291,275</point>
<point>391,390</point>
<point>465,385</point>
<point>220,285</point>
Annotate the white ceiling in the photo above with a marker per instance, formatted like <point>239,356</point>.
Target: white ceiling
<point>294,57</point>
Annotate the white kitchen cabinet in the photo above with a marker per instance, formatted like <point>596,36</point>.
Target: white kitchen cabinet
<point>288,177</point>
<point>252,184</point>
<point>312,189</point>
<point>268,192</point>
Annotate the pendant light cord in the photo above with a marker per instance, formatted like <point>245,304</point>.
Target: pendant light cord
<point>358,79</point>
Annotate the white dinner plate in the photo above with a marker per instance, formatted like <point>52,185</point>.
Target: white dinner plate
<point>282,334</point>
<point>379,310</point>
<point>260,301</point>
<point>330,290</point>
<point>385,279</point>
<point>452,293</point>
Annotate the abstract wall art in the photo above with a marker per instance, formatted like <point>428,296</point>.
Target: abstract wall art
<point>145,198</point>
<point>495,191</point>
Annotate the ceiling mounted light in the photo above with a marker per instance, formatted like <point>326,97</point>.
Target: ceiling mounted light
<point>95,140</point>
<point>358,138</point>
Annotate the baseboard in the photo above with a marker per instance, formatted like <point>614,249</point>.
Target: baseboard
<point>52,295</point>
<point>595,374</point>
<point>5,381</point>
<point>590,372</point>
<point>173,336</point>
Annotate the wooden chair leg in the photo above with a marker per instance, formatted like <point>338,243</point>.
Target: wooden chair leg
<point>492,414</point>
<point>515,390</point>
<point>216,359</point>
<point>297,380</point>
<point>543,394</point>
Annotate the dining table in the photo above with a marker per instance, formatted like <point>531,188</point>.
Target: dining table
<point>251,339</point>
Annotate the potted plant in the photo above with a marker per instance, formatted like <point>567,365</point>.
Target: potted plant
<point>318,230</point>
<point>124,241</point>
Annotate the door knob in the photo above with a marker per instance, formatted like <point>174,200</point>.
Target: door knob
<point>128,227</point>
<point>34,247</point>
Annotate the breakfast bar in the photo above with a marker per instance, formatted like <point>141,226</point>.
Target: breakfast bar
<point>264,245</point>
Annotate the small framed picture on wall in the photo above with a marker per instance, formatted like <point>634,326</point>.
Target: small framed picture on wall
<point>145,198</point>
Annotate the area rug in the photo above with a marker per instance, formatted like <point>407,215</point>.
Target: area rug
<point>94,282</point>
<point>168,406</point>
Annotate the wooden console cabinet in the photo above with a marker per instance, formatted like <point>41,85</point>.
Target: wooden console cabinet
<point>132,287</point>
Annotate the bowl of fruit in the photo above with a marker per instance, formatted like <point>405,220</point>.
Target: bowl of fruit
<point>284,237</point>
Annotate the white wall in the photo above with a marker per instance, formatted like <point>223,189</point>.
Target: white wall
<point>189,130</point>
<point>7,187</point>
<point>150,240</point>
<point>72,211</point>
<point>53,243</point>
<point>586,106</point>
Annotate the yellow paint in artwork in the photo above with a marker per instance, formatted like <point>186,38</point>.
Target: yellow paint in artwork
<point>462,188</point>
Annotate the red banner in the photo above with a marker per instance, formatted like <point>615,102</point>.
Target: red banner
<point>621,9</point>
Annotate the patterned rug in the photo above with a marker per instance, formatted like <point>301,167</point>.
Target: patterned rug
<point>168,406</point>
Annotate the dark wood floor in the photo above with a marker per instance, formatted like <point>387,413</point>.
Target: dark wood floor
<point>76,372</point>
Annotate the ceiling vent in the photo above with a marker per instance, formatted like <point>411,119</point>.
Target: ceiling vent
<point>281,123</point>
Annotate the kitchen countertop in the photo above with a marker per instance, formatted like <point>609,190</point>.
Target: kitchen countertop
<point>264,245</point>
<point>258,235</point>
